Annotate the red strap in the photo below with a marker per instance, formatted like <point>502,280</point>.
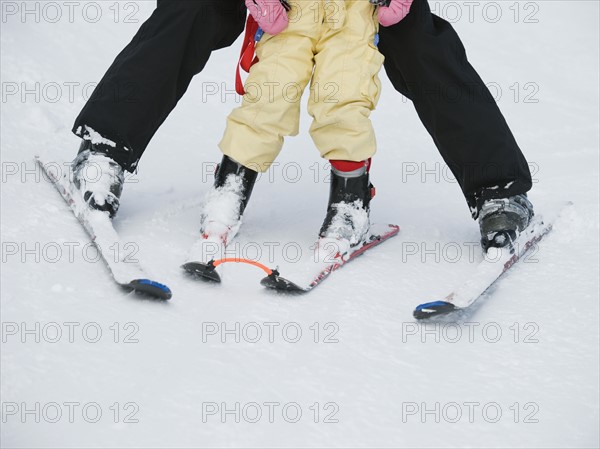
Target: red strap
<point>347,166</point>
<point>247,58</point>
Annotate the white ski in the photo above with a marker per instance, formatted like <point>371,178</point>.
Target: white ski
<point>126,272</point>
<point>497,261</point>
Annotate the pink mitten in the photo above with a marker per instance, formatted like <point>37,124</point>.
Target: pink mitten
<point>271,15</point>
<point>391,15</point>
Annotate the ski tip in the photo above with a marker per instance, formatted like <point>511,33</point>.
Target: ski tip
<point>435,308</point>
<point>276,282</point>
<point>152,288</point>
<point>205,271</point>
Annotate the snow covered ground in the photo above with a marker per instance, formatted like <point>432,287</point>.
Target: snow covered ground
<point>87,365</point>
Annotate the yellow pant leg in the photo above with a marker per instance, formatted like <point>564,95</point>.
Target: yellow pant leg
<point>271,107</point>
<point>345,87</point>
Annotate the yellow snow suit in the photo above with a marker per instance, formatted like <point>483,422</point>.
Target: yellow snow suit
<point>332,44</point>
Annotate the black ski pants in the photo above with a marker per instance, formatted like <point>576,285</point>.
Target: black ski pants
<point>425,61</point>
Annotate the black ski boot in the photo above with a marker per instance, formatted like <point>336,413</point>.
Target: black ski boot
<point>98,178</point>
<point>502,220</point>
<point>348,209</point>
<point>226,201</point>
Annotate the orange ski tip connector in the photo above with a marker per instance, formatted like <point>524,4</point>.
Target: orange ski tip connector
<point>266,269</point>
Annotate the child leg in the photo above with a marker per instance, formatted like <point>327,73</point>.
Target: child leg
<point>255,131</point>
<point>345,87</point>
<point>271,106</point>
<point>346,67</point>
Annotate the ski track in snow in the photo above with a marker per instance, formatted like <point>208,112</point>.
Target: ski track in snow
<point>379,365</point>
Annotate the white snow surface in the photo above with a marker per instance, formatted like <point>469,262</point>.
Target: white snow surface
<point>206,368</point>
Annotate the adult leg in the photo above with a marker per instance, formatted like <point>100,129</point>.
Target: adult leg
<point>153,71</point>
<point>426,62</point>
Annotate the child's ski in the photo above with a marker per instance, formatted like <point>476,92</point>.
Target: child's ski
<point>497,261</point>
<point>125,272</point>
<point>324,266</point>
